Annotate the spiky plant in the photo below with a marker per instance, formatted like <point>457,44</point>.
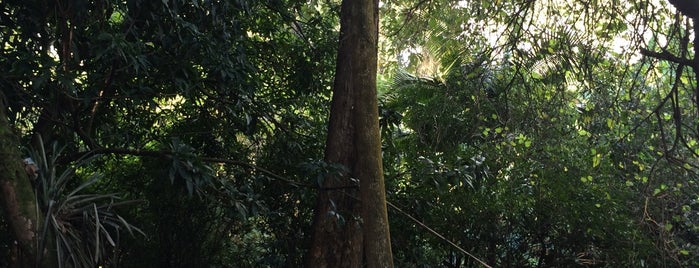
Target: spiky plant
<point>79,228</point>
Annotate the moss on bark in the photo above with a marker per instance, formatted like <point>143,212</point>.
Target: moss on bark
<point>16,195</point>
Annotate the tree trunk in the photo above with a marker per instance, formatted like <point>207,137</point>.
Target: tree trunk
<point>350,227</point>
<point>17,196</point>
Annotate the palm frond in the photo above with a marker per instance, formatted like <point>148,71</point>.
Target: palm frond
<point>405,81</point>
<point>554,49</point>
<point>81,225</point>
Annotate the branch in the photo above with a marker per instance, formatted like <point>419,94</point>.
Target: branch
<point>655,111</point>
<point>666,55</point>
<point>170,154</point>
<point>688,7</point>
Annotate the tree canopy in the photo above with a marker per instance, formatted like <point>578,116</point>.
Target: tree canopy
<point>175,133</point>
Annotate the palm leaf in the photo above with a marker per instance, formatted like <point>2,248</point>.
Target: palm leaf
<point>81,224</point>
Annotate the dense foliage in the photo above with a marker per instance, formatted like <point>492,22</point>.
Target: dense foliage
<point>190,133</point>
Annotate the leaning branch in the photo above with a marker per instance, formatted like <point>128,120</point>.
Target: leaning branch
<point>171,154</point>
<point>435,233</point>
<point>666,55</point>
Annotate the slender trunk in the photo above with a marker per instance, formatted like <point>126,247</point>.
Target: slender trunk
<point>17,195</point>
<point>695,67</point>
<point>350,227</point>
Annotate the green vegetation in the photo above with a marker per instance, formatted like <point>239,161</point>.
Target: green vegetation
<point>196,133</point>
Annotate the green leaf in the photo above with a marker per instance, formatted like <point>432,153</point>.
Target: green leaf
<point>668,227</point>
<point>584,133</point>
<point>596,160</point>
<point>536,75</point>
<point>586,179</point>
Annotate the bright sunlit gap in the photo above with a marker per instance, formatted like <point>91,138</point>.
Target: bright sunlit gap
<point>546,19</point>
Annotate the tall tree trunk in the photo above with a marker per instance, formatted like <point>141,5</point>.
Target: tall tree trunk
<point>17,195</point>
<point>350,227</point>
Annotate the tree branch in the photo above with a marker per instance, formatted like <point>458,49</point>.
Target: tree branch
<point>170,154</point>
<point>666,55</point>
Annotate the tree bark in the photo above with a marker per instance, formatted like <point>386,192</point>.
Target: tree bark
<point>350,227</point>
<point>17,196</point>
